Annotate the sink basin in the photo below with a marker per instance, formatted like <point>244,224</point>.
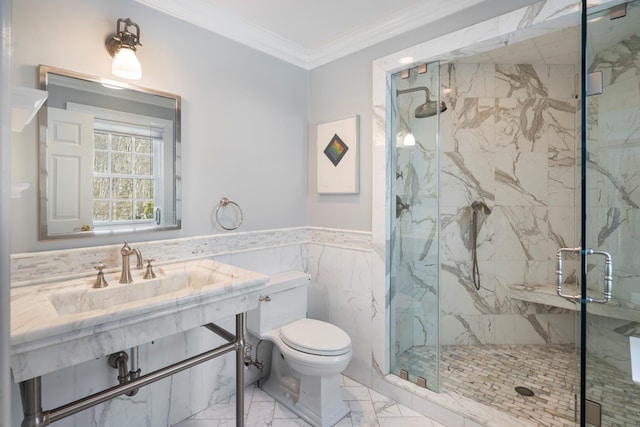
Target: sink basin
<point>61,324</point>
<point>170,282</point>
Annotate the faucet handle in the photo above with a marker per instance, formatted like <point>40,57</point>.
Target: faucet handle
<point>149,274</point>
<point>126,249</point>
<point>100,282</point>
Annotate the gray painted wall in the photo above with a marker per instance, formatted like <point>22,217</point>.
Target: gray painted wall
<point>343,88</point>
<point>244,120</point>
<point>244,116</point>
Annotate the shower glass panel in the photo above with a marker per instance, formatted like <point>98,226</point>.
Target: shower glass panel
<point>612,211</point>
<point>414,328</point>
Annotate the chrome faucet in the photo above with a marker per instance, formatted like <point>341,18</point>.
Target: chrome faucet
<point>126,252</point>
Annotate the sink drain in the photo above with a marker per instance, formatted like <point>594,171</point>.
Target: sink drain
<point>525,391</point>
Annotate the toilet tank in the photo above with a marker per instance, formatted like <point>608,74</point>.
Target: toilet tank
<point>283,300</point>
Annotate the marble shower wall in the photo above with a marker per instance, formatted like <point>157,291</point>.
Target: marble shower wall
<point>613,199</point>
<point>508,139</point>
<point>414,268</point>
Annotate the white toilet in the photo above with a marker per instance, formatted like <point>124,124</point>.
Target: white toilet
<point>308,355</point>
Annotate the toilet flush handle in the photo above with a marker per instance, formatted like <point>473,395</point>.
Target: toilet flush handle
<point>266,298</point>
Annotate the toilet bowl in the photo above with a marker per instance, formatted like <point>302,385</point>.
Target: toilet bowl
<point>308,355</point>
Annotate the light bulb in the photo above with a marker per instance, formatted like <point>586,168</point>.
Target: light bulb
<point>409,139</point>
<point>126,64</point>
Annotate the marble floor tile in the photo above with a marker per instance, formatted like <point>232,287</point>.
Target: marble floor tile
<point>544,369</point>
<point>368,409</point>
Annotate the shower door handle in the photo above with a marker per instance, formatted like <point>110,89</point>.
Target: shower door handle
<point>574,298</point>
<point>608,275</point>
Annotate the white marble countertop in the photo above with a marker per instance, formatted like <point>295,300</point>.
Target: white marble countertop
<point>546,294</point>
<point>62,324</point>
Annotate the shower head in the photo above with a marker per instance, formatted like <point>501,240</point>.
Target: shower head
<point>429,108</point>
<point>480,208</point>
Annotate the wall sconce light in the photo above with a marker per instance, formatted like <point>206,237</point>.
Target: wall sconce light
<point>409,140</point>
<point>122,47</point>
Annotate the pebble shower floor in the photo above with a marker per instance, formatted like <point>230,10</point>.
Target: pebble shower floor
<point>488,374</point>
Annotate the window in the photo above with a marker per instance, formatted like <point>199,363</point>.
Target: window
<point>123,174</point>
<point>133,155</point>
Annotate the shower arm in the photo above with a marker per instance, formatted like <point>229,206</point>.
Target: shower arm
<point>414,89</point>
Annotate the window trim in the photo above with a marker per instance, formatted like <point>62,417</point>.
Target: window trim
<point>132,120</point>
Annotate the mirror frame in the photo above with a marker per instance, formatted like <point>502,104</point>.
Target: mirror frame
<point>44,71</point>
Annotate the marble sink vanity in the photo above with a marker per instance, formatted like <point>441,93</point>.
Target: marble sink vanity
<point>57,325</point>
<point>62,324</point>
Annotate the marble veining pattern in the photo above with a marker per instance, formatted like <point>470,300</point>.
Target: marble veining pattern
<point>613,180</point>
<point>555,137</point>
<point>166,402</point>
<point>368,409</point>
<point>33,268</point>
<point>60,325</point>
<point>519,130</point>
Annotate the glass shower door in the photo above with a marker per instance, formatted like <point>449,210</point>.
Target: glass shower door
<point>611,217</point>
<point>414,328</point>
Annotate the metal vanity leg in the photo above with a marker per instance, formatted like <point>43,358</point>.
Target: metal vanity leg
<point>31,393</point>
<point>240,370</point>
<point>31,390</point>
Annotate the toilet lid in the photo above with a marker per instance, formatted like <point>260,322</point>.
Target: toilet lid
<point>315,337</point>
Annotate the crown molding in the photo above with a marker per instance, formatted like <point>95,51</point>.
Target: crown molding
<point>393,25</point>
<point>214,19</point>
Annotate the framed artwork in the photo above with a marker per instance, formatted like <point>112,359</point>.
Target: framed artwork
<point>337,157</point>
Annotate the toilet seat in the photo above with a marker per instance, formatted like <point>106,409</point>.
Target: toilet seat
<point>315,337</point>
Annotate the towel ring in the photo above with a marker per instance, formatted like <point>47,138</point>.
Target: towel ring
<point>225,202</point>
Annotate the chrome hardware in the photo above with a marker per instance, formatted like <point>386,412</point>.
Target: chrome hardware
<point>149,274</point>
<point>266,298</point>
<point>574,298</point>
<point>248,360</point>
<point>31,389</point>
<point>100,280</point>
<point>404,374</point>
<point>608,275</point>
<point>421,382</point>
<point>119,361</point>
<point>226,202</point>
<point>126,252</point>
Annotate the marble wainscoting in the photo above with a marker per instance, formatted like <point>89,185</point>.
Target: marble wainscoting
<point>341,291</point>
<point>36,267</point>
<point>342,266</point>
<point>176,398</point>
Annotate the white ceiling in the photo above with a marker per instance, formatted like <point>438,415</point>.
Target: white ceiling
<point>310,33</point>
<point>313,24</point>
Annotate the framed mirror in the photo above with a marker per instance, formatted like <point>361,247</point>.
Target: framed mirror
<point>109,157</point>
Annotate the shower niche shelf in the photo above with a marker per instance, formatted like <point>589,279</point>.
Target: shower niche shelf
<point>546,294</point>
